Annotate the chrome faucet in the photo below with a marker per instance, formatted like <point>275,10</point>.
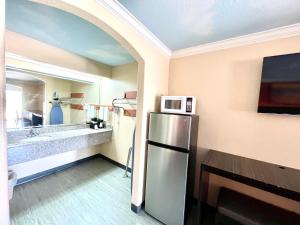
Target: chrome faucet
<point>33,133</point>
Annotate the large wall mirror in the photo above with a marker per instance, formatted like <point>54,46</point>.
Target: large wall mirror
<point>37,99</point>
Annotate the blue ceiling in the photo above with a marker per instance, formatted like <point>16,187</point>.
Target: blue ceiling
<point>186,23</point>
<point>65,31</point>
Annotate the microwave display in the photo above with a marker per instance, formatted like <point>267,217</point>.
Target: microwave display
<point>173,104</point>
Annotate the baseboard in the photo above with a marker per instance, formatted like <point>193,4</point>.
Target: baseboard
<point>137,209</point>
<point>114,162</point>
<point>54,170</point>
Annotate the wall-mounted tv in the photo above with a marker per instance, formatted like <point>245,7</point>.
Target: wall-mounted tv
<point>280,85</point>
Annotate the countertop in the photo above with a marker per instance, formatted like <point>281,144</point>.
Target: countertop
<point>54,141</point>
<point>58,135</point>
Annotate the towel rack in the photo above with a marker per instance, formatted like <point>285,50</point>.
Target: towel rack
<point>62,101</point>
<point>129,97</point>
<point>122,101</point>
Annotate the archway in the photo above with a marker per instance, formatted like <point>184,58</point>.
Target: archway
<point>153,68</point>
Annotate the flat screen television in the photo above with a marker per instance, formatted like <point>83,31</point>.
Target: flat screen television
<point>280,85</point>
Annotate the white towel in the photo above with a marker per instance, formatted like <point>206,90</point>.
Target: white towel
<point>104,113</point>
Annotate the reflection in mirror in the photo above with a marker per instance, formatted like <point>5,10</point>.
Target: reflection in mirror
<point>35,99</point>
<point>24,100</point>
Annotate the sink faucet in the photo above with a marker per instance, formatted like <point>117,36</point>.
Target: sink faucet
<point>33,132</point>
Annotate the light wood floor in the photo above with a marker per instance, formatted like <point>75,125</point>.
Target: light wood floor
<point>93,193</point>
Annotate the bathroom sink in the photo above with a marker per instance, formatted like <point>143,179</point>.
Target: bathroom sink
<point>35,139</point>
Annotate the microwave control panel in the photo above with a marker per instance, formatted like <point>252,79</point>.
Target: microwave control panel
<point>189,105</point>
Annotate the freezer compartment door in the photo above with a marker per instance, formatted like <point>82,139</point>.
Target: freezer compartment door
<point>166,184</point>
<point>170,129</point>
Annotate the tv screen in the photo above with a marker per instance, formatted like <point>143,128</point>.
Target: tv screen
<point>280,85</point>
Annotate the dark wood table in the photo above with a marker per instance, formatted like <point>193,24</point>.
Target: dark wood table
<point>270,177</point>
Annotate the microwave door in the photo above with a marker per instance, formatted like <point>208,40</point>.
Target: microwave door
<point>173,104</point>
<point>170,129</point>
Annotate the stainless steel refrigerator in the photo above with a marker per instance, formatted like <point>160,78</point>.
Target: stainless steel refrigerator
<point>171,158</point>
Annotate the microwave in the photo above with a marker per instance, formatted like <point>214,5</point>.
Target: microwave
<point>178,104</point>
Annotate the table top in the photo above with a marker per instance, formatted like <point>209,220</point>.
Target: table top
<point>270,177</point>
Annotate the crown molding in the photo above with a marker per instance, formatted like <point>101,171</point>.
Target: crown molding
<point>28,65</point>
<point>254,38</point>
<point>118,10</point>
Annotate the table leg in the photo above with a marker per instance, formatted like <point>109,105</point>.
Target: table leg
<point>203,187</point>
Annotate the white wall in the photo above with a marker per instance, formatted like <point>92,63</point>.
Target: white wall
<point>4,207</point>
<point>124,78</point>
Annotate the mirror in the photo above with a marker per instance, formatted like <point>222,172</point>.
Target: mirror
<point>40,99</point>
<point>24,100</point>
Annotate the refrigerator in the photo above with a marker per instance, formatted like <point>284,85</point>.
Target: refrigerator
<point>171,159</point>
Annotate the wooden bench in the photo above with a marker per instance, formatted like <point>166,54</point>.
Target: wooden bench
<point>237,208</point>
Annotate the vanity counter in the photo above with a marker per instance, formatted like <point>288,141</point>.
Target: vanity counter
<point>23,149</point>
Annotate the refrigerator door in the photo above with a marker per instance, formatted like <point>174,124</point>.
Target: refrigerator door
<point>170,129</point>
<point>166,184</point>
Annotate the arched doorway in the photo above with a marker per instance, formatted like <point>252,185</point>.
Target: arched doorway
<point>153,65</point>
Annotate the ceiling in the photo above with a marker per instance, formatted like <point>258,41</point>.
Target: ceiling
<point>64,30</point>
<point>187,23</point>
